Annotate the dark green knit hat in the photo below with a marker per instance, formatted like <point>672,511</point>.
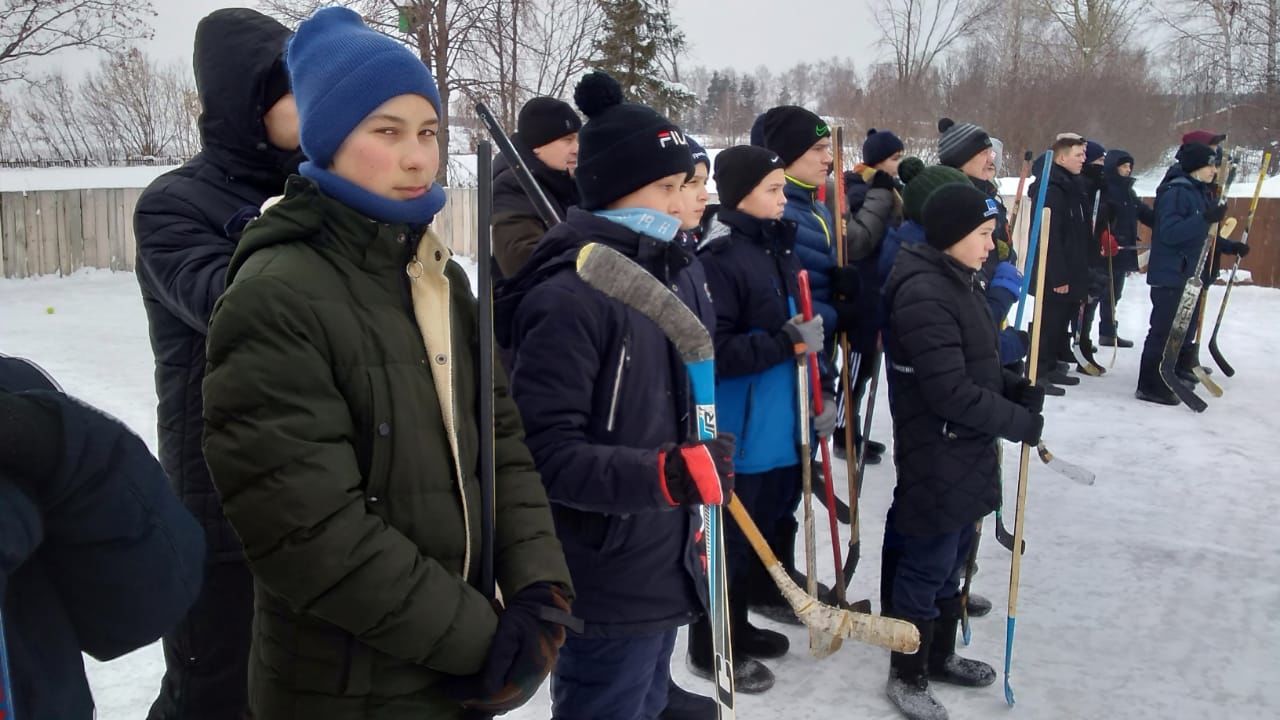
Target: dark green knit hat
<point>922,184</point>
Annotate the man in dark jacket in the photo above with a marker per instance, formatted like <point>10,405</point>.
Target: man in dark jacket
<point>1119,213</point>
<point>1091,186</point>
<point>951,403</point>
<point>607,412</point>
<point>1185,210</point>
<point>547,139</point>
<point>97,555</point>
<point>873,207</point>
<point>1066,268</point>
<point>187,223</point>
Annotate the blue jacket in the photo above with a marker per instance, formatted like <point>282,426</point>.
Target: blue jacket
<point>601,390</point>
<point>97,554</point>
<point>814,246</point>
<point>1180,231</point>
<point>751,273</point>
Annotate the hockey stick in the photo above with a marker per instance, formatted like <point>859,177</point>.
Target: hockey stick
<point>484,293</point>
<point>1186,310</point>
<point>1081,359</point>
<point>610,272</point>
<point>821,644</point>
<point>855,538</point>
<point>815,389</point>
<point>889,633</point>
<point>1019,521</point>
<point>1003,536</point>
<point>1033,238</point>
<point>523,175</point>
<point>7,703</point>
<point>970,567</point>
<point>1218,358</point>
<point>1064,468</point>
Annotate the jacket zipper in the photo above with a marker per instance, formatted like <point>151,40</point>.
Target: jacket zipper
<point>617,386</point>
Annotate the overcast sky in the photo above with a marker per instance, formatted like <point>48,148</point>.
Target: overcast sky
<point>742,34</point>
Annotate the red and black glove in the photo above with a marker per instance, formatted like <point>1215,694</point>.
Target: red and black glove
<point>698,473</point>
<point>1110,248</point>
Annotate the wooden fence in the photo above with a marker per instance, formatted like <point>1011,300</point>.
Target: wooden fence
<point>50,232</point>
<point>60,231</point>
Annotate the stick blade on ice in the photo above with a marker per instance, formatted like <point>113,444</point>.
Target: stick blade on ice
<point>1062,467</point>
<point>613,274</point>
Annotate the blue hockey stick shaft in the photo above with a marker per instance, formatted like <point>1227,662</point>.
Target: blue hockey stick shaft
<point>7,711</point>
<point>1033,240</point>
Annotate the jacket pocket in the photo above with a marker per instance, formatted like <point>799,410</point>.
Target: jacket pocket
<point>624,359</point>
<point>380,437</point>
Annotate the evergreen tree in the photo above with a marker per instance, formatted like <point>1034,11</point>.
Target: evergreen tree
<point>639,46</point>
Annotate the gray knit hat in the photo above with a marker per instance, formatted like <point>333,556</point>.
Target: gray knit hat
<point>960,142</point>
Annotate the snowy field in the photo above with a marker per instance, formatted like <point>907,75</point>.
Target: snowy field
<point>1153,594</point>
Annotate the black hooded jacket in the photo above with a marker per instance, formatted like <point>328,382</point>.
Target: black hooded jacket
<point>948,393</point>
<point>1120,210</point>
<point>1070,234</point>
<point>188,222</point>
<point>517,226</point>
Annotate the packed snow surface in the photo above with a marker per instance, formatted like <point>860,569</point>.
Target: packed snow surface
<point>1153,594</point>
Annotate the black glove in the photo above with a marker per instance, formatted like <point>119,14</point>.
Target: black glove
<point>1215,213</point>
<point>1231,247</point>
<point>845,281</point>
<point>525,648</point>
<point>697,473</point>
<point>883,181</point>
<point>1029,396</point>
<point>1032,434</point>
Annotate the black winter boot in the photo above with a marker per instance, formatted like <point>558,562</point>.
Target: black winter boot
<point>979,606</point>
<point>943,663</point>
<point>908,686</point>
<point>750,676</point>
<point>748,639</point>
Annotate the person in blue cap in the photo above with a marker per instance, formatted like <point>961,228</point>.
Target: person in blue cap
<point>341,430</point>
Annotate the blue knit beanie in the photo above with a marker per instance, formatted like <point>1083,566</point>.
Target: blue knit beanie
<point>879,146</point>
<point>341,71</point>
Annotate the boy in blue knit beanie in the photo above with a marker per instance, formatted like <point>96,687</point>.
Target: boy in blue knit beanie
<point>341,430</point>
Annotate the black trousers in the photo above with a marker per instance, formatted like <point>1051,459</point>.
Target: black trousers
<point>1054,335</point>
<point>1107,325</point>
<point>1164,306</point>
<point>206,656</point>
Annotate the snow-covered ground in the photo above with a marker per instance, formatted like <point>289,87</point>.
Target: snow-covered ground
<point>1153,594</point>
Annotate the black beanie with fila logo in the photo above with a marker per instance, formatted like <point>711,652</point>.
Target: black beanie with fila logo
<point>623,146</point>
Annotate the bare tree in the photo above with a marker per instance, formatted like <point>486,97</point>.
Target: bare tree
<point>138,109</point>
<point>38,28</point>
<point>919,32</point>
<point>50,115</point>
<point>559,36</point>
<point>1090,31</point>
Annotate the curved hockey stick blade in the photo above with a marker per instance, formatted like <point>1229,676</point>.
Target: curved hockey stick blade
<point>890,633</point>
<point>1064,468</point>
<point>1004,537</point>
<point>1203,376</point>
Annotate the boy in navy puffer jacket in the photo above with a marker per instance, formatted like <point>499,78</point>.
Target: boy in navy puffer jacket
<point>751,272</point>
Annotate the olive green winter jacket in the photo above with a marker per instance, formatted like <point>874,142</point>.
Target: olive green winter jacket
<point>349,473</point>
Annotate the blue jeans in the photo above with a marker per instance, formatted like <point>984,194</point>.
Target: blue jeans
<point>928,569</point>
<point>612,678</point>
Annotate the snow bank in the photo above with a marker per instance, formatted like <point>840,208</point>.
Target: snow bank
<point>30,179</point>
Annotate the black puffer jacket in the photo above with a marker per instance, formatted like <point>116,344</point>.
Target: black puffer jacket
<point>949,394</point>
<point>600,389</point>
<point>188,222</point>
<point>1070,234</point>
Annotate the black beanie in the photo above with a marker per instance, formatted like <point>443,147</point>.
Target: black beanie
<point>960,142</point>
<point>953,211</point>
<point>879,146</point>
<point>790,131</point>
<point>1194,156</point>
<point>740,169</point>
<point>698,152</point>
<point>546,119</point>
<point>275,84</point>
<point>623,146</point>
